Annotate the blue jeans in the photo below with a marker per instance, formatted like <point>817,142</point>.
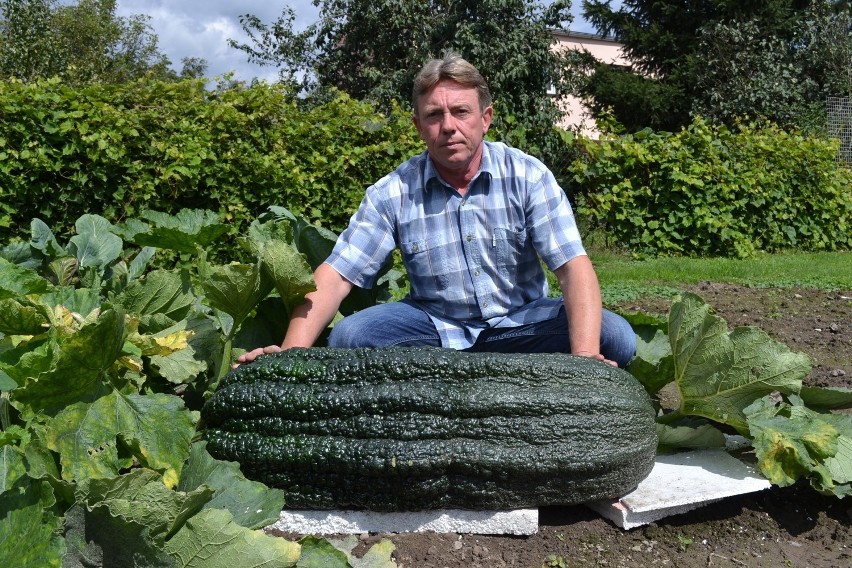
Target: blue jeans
<point>403,324</point>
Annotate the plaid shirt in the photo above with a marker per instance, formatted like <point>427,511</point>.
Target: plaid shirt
<point>473,260</point>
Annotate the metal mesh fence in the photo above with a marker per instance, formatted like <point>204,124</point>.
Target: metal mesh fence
<point>840,126</point>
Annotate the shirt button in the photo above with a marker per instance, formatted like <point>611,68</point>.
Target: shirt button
<point>415,248</point>
<point>476,273</point>
<point>469,238</point>
<point>485,305</point>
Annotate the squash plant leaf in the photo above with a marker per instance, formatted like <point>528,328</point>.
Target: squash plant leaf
<point>184,232</point>
<point>288,269</point>
<point>140,497</point>
<point>653,364</point>
<point>211,539</point>
<point>720,373</point>
<point>29,530</point>
<point>95,245</point>
<point>186,365</point>
<point>320,553</point>
<point>252,504</point>
<point>236,289</point>
<point>12,467</point>
<point>156,429</point>
<point>72,365</point>
<point>792,441</point>
<point>21,319</point>
<point>282,262</point>
<point>17,281</point>
<point>826,398</point>
<point>379,555</point>
<point>672,438</point>
<point>160,293</point>
<point>96,538</point>
<point>43,240</point>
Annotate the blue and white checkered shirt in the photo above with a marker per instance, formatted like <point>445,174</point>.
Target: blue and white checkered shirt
<point>472,260</point>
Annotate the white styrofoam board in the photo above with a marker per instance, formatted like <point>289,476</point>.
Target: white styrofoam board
<point>679,483</point>
<point>517,522</point>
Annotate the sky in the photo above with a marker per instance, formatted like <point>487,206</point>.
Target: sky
<point>202,28</point>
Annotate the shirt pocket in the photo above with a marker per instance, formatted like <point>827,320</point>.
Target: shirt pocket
<point>510,245</point>
<point>426,263</point>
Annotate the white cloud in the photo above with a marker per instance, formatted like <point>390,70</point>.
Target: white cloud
<point>202,28</point>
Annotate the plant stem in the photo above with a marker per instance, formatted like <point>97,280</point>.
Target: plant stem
<point>5,421</point>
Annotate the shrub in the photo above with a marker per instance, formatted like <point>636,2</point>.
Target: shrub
<point>116,150</point>
<point>709,190</point>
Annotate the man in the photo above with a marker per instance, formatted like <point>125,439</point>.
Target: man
<point>472,219</point>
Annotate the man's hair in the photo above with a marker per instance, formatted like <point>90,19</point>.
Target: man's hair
<point>451,68</point>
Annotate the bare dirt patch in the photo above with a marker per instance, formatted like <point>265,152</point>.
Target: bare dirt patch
<point>792,526</point>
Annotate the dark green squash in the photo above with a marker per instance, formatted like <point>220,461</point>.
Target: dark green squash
<point>402,429</point>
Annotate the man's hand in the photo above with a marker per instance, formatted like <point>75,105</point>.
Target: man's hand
<point>255,353</point>
<point>597,356</point>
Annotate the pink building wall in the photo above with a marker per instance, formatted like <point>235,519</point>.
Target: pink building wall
<point>604,50</point>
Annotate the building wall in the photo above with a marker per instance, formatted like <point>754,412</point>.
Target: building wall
<point>604,50</point>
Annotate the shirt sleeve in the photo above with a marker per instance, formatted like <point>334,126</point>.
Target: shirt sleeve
<point>551,220</point>
<point>367,243</point>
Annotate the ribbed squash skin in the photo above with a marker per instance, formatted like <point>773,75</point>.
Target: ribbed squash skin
<point>405,429</point>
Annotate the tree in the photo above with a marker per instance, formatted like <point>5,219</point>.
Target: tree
<point>372,49</point>
<point>750,75</point>
<point>82,43</point>
<point>704,56</point>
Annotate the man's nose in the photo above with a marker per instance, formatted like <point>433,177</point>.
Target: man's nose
<point>448,122</point>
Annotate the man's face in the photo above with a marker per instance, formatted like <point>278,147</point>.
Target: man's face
<point>451,123</point>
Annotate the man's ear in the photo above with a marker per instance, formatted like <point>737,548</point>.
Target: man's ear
<point>487,117</point>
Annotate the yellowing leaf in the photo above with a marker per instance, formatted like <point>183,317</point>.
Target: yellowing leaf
<point>172,342</point>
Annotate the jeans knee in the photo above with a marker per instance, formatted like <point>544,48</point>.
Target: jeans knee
<point>618,340</point>
<point>344,335</point>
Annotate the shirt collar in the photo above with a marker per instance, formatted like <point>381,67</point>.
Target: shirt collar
<point>431,177</point>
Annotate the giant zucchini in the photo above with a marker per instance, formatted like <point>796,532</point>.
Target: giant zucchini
<point>400,429</point>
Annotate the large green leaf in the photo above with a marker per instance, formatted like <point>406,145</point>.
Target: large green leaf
<point>17,281</point>
<point>672,438</point>
<point>78,362</point>
<point>184,232</point>
<point>653,364</point>
<point>95,245</point>
<point>320,553</point>
<point>252,504</point>
<point>236,289</point>
<point>160,292</point>
<point>12,467</point>
<point>720,373</point>
<point>43,240</point>
<point>211,539</point>
<point>28,529</point>
<point>82,301</point>
<point>792,441</point>
<point>379,555</point>
<point>140,497</point>
<point>185,365</point>
<point>289,271</point>
<point>826,398</point>
<point>96,539</point>
<point>20,319</point>
<point>157,429</point>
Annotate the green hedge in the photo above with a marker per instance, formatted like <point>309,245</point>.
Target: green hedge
<point>116,150</point>
<point>711,191</point>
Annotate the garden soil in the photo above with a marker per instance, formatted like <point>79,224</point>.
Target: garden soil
<point>792,526</point>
